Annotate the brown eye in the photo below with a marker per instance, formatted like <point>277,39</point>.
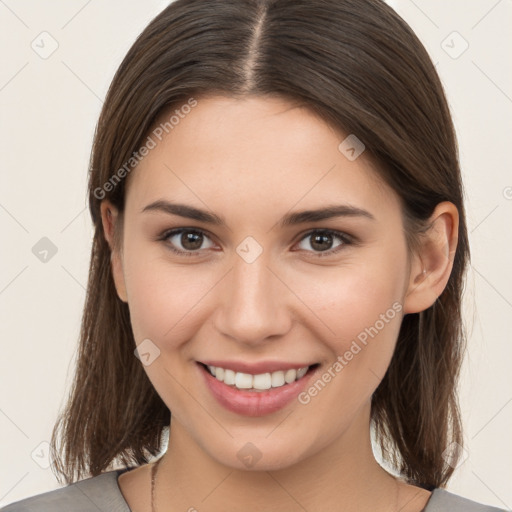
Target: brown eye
<point>191,241</point>
<point>321,242</point>
<point>187,240</point>
<point>324,241</point>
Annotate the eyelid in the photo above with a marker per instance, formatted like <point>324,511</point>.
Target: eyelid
<point>168,233</point>
<point>345,238</point>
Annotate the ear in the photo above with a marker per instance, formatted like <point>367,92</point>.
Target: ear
<point>433,262</point>
<point>109,217</point>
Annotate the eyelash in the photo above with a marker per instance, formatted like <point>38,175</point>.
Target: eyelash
<point>343,237</point>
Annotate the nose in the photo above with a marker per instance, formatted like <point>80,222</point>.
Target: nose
<point>252,306</point>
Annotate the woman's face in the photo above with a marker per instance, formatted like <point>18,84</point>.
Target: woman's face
<point>257,286</point>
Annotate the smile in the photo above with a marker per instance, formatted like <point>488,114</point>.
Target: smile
<point>249,390</point>
<point>259,382</point>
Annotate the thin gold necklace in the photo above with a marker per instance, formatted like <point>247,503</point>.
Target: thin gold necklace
<point>153,479</point>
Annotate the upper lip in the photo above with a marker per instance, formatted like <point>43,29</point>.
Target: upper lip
<point>257,367</point>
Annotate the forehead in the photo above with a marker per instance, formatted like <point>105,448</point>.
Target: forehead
<point>235,152</point>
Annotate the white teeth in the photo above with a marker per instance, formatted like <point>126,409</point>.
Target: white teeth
<point>277,379</point>
<point>301,372</point>
<point>229,377</point>
<point>219,373</point>
<point>262,381</point>
<point>243,380</point>
<point>290,376</point>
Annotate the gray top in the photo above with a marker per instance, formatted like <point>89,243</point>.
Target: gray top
<point>102,494</point>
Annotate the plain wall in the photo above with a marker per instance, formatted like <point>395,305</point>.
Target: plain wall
<point>49,107</point>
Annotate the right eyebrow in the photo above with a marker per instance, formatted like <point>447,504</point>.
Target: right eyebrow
<point>184,210</point>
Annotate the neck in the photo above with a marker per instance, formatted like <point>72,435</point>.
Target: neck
<point>343,476</point>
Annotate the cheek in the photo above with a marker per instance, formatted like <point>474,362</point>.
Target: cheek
<point>364,311</point>
<point>167,306</point>
<point>165,300</point>
<point>352,297</point>
<point>358,309</point>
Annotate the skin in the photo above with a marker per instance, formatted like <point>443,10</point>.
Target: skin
<point>252,161</point>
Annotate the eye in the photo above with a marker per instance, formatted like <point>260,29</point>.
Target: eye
<point>190,241</point>
<point>324,242</point>
<point>186,241</point>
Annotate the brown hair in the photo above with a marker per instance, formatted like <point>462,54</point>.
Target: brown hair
<point>359,66</point>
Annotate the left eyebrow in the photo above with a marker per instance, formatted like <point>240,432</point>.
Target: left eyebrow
<point>328,212</point>
<point>290,219</point>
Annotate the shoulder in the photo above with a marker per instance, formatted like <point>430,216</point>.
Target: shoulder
<point>444,501</point>
<point>100,492</point>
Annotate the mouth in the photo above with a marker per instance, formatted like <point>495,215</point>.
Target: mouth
<point>258,382</point>
<point>255,394</point>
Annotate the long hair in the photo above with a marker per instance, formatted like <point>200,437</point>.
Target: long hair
<point>360,67</point>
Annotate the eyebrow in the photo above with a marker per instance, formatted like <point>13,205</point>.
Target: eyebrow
<point>290,219</point>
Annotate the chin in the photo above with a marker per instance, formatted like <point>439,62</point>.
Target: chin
<point>257,453</point>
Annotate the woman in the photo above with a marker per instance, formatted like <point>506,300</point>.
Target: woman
<point>276,274</point>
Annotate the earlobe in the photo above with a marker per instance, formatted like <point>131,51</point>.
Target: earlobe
<point>109,217</point>
<point>433,263</point>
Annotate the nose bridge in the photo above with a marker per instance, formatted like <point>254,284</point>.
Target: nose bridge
<point>252,306</point>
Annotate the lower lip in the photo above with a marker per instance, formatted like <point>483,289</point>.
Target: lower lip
<point>254,403</point>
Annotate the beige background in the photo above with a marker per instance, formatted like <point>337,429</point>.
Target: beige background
<point>49,107</point>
